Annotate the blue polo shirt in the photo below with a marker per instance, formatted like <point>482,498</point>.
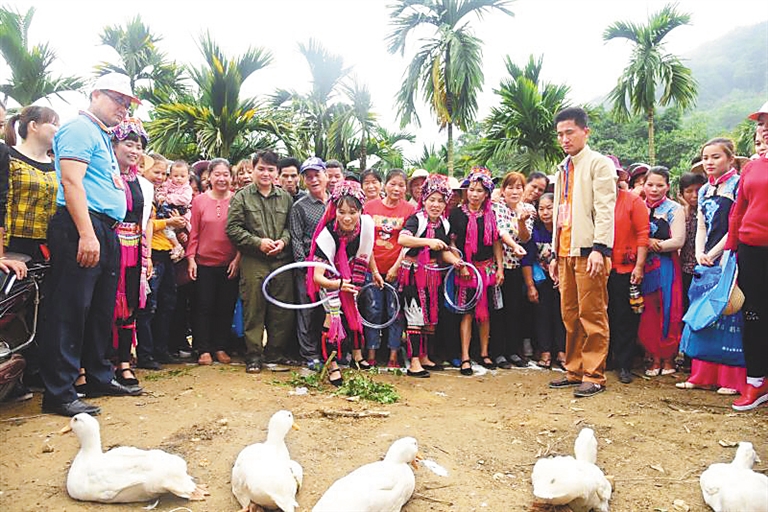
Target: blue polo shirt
<point>86,140</point>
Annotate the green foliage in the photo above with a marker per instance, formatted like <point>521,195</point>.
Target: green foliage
<point>297,380</point>
<point>30,78</point>
<point>360,384</point>
<point>649,68</point>
<point>519,133</point>
<point>446,70</point>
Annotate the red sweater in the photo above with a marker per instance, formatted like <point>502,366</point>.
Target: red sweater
<point>208,242</point>
<point>631,227</point>
<point>748,222</point>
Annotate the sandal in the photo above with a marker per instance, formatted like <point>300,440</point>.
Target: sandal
<point>653,372</point>
<point>487,363</point>
<point>205,359</point>
<point>82,389</point>
<point>690,385</point>
<point>126,381</point>
<point>361,364</point>
<point>545,362</point>
<point>336,382</point>
<point>223,357</point>
<point>466,371</point>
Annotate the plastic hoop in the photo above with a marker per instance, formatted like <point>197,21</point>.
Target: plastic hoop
<point>389,322</point>
<point>448,267</point>
<point>291,266</point>
<point>472,303</point>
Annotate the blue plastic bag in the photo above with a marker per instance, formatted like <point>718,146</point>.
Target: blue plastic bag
<point>238,328</point>
<point>719,343</point>
<point>709,292</point>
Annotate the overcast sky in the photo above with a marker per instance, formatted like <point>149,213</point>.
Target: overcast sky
<point>568,33</point>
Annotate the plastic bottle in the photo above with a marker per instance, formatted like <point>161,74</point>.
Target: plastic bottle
<point>636,301</point>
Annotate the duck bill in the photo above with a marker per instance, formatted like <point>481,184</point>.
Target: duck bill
<point>415,462</point>
<point>65,430</point>
<point>295,427</point>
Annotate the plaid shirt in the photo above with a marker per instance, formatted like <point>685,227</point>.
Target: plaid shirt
<point>31,197</point>
<point>305,216</point>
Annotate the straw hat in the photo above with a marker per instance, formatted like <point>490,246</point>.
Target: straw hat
<point>147,162</point>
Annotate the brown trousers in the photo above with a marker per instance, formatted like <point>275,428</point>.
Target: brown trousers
<point>584,306</point>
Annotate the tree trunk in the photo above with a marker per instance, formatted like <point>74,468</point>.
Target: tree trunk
<point>363,151</point>
<point>651,144</point>
<point>450,149</point>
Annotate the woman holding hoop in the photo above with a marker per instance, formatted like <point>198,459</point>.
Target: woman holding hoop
<point>344,238</point>
<point>425,235</point>
<point>474,233</point>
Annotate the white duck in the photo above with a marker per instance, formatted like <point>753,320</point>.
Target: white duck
<point>124,474</point>
<point>734,487</point>
<point>577,482</point>
<point>264,476</point>
<point>383,486</point>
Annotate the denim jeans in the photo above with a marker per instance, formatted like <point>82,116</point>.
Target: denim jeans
<point>373,309</point>
<point>153,323</point>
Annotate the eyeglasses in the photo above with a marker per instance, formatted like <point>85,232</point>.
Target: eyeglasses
<point>121,100</point>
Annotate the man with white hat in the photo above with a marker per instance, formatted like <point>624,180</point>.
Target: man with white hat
<point>81,286</point>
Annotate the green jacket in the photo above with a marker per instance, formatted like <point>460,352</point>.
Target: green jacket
<point>253,216</point>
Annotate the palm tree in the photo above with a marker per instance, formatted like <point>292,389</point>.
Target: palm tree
<point>216,121</point>
<point>519,130</point>
<point>314,112</point>
<point>447,69</point>
<point>650,66</point>
<point>354,121</point>
<point>30,78</point>
<point>152,76</point>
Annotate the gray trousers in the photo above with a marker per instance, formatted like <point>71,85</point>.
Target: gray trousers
<point>309,322</point>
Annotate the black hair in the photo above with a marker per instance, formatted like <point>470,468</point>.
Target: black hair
<point>40,115</point>
<point>217,162</point>
<point>288,162</point>
<point>659,170</point>
<point>688,179</point>
<point>350,201</point>
<point>334,164</point>
<point>370,172</point>
<point>393,173</point>
<point>576,114</point>
<point>194,177</point>
<point>537,175</point>
<point>268,156</point>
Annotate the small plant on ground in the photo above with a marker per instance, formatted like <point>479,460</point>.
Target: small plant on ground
<point>360,384</point>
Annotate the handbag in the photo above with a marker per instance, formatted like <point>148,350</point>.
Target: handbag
<point>719,343</point>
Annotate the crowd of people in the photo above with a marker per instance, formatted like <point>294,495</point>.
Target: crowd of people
<point>591,268</point>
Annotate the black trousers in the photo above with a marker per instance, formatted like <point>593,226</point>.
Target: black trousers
<point>506,332</point>
<point>76,324</point>
<point>309,322</point>
<point>216,297</point>
<point>753,281</point>
<point>548,322</point>
<point>622,321</point>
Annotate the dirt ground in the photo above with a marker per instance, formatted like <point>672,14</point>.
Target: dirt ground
<point>487,431</point>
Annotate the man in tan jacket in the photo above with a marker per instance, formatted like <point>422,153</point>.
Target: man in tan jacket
<point>585,196</point>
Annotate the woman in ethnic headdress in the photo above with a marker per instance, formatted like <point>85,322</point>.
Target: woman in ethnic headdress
<point>425,236</point>
<point>474,233</point>
<point>344,239</point>
<point>129,140</point>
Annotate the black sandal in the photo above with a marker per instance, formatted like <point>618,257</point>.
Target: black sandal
<point>82,389</point>
<point>336,382</point>
<point>361,364</point>
<point>466,371</point>
<point>126,381</point>
<point>487,363</point>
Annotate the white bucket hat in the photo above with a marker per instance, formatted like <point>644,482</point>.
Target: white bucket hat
<point>116,82</point>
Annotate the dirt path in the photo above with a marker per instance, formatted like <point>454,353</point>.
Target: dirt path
<point>486,430</point>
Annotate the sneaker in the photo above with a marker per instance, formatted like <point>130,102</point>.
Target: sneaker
<point>752,397</point>
<point>625,376</point>
<point>587,389</point>
<point>501,362</point>
<point>564,383</point>
<point>253,367</point>
<point>315,365</point>
<point>148,363</point>
<point>517,361</point>
<point>19,393</point>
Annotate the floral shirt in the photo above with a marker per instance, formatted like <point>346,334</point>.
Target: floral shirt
<point>506,221</point>
<point>688,252</point>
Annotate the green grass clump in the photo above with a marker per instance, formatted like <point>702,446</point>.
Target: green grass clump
<point>361,385</point>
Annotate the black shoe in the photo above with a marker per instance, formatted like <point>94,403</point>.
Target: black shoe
<point>518,361</point>
<point>487,363</point>
<point>112,388</point>
<point>361,364</point>
<point>336,382</point>
<point>253,366</point>
<point>433,367</point>
<point>564,383</point>
<point>148,363</point>
<point>167,358</point>
<point>122,379</point>
<point>625,376</point>
<point>587,389</point>
<point>19,393</point>
<point>466,371</point>
<point>423,374</point>
<point>70,408</point>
